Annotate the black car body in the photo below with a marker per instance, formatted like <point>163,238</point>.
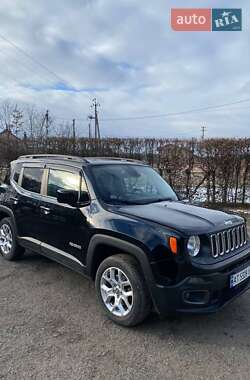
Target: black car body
<point>81,235</point>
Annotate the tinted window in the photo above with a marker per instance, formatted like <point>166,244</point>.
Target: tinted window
<point>17,171</point>
<point>130,184</point>
<point>83,185</point>
<point>7,176</point>
<point>59,179</point>
<point>32,179</point>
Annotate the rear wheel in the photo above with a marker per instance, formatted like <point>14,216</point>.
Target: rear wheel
<point>9,248</point>
<point>122,291</point>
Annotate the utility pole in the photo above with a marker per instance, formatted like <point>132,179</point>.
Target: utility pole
<point>90,137</point>
<point>74,128</point>
<point>97,135</point>
<point>95,105</point>
<point>74,134</point>
<point>203,130</point>
<point>47,123</point>
<point>90,118</point>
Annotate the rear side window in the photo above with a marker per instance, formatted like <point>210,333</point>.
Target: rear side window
<point>59,179</point>
<point>17,171</point>
<point>32,179</point>
<point>7,176</point>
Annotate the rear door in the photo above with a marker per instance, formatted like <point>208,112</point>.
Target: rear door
<point>26,201</point>
<point>64,229</point>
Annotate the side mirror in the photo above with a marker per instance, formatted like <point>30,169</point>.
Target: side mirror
<point>181,196</point>
<point>69,197</point>
<point>84,198</point>
<point>185,200</point>
<point>3,188</point>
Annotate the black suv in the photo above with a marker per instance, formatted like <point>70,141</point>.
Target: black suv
<point>119,223</point>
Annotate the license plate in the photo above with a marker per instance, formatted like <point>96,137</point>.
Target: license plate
<point>237,278</point>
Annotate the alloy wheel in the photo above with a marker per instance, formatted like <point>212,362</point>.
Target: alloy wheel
<point>116,291</point>
<point>6,239</point>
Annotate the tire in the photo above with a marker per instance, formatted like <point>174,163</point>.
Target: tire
<point>9,248</point>
<point>127,303</point>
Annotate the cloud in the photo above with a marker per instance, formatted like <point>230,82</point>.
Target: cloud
<point>125,54</point>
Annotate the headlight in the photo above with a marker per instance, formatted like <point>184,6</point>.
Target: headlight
<point>193,245</point>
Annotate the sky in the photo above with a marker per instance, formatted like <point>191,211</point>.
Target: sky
<point>60,54</point>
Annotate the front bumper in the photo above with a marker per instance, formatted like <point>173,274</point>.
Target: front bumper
<point>201,293</point>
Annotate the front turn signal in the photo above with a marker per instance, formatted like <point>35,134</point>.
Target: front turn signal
<point>173,244</point>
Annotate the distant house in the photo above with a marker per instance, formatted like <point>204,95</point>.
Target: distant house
<point>7,135</point>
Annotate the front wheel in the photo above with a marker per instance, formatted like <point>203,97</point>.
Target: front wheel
<point>9,248</point>
<point>122,291</point>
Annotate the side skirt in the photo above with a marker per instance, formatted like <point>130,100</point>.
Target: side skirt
<point>54,254</point>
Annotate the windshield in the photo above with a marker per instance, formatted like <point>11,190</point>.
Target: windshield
<point>130,184</point>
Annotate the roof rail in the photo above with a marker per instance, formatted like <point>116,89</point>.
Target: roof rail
<point>117,159</point>
<point>55,157</point>
<point>77,158</point>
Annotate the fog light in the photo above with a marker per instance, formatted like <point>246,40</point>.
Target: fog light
<point>196,297</point>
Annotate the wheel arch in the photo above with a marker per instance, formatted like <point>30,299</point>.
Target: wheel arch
<point>102,246</point>
<point>5,212</point>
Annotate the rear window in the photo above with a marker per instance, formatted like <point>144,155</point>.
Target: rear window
<point>17,171</point>
<point>32,179</point>
<point>7,176</point>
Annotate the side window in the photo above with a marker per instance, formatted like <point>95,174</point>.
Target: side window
<point>32,179</point>
<point>83,185</point>
<point>84,189</point>
<point>16,173</point>
<point>59,179</point>
<point>7,176</point>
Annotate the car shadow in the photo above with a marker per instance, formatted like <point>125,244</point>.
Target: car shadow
<point>31,257</point>
<point>227,326</point>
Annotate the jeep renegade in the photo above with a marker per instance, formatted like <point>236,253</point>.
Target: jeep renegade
<point>119,223</point>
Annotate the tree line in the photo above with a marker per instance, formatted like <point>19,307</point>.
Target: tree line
<point>211,170</point>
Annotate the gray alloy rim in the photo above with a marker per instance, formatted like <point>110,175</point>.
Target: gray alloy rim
<point>117,292</point>
<point>6,239</point>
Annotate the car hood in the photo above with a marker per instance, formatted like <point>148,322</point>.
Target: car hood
<point>186,218</point>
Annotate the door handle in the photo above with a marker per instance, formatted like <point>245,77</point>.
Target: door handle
<point>14,200</point>
<point>45,210</point>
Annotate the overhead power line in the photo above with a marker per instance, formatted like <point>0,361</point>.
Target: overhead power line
<point>139,117</point>
<point>35,60</point>
<point>29,69</point>
<point>158,116</point>
<point>163,115</point>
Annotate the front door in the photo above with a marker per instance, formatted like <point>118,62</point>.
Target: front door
<point>64,229</point>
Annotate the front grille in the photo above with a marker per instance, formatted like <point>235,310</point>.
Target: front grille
<point>228,241</point>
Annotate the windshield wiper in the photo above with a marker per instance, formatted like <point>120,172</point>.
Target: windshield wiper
<point>119,202</point>
<point>161,200</point>
<point>129,202</point>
